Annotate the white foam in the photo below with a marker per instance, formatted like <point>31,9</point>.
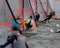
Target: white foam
<point>52,30</point>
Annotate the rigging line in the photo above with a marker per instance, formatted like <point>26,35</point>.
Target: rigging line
<point>27,3</point>
<point>47,6</point>
<point>12,15</point>
<point>36,5</point>
<point>50,6</point>
<point>43,8</point>
<point>31,7</point>
<point>23,10</point>
<point>11,11</point>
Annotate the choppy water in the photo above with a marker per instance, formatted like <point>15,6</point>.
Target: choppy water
<point>42,37</point>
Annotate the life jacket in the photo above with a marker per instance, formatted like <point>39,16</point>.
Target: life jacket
<point>28,21</point>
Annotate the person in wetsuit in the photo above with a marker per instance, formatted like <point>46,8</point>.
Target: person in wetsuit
<point>49,16</point>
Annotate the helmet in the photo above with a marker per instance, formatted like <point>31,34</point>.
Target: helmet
<point>15,26</point>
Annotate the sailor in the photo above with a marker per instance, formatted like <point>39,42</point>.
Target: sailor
<point>49,17</point>
<point>30,22</point>
<point>13,37</point>
<point>37,16</point>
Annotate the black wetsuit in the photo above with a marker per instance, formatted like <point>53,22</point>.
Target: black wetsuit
<point>36,17</point>
<point>10,40</point>
<point>49,16</point>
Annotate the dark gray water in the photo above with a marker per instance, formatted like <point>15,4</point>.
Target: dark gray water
<point>42,37</point>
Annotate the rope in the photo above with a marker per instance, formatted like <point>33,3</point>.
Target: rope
<point>12,14</point>
<point>31,7</point>
<point>43,8</point>
<point>50,6</point>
